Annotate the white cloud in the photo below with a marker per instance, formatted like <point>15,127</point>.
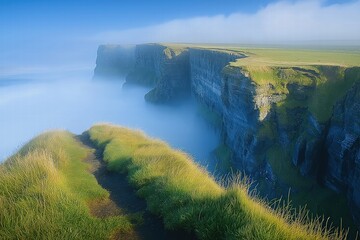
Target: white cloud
<point>283,21</point>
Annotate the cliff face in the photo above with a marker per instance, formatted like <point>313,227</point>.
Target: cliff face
<point>206,75</point>
<point>166,68</point>
<point>273,125</point>
<point>343,146</point>
<point>114,60</point>
<point>231,96</point>
<point>279,121</point>
<point>240,119</point>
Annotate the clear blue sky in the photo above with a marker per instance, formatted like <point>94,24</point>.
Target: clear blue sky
<point>27,27</point>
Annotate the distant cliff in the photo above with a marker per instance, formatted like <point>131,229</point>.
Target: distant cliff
<point>281,122</point>
<point>114,60</point>
<point>166,68</point>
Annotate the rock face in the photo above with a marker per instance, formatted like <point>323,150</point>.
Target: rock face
<point>343,147</point>
<point>206,75</point>
<point>114,60</point>
<point>166,68</point>
<point>231,95</point>
<point>240,119</point>
<point>283,120</point>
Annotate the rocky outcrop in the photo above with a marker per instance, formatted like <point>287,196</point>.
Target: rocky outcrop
<point>343,146</point>
<point>114,60</point>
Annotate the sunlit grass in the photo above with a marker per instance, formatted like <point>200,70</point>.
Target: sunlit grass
<point>316,88</point>
<point>296,57</point>
<point>186,196</point>
<point>45,191</point>
<point>282,56</point>
<point>325,74</point>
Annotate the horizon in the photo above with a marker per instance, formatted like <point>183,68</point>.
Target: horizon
<point>62,34</point>
<point>149,116</point>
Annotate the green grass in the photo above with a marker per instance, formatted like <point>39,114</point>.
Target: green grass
<point>283,56</point>
<point>319,87</point>
<point>324,72</point>
<point>186,196</point>
<point>45,192</point>
<point>296,57</point>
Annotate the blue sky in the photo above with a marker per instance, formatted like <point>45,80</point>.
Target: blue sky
<point>58,31</point>
<point>120,14</point>
<point>85,16</point>
<point>36,18</point>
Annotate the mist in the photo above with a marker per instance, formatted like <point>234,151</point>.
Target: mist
<point>37,37</point>
<point>285,22</point>
<point>43,50</point>
<point>35,103</point>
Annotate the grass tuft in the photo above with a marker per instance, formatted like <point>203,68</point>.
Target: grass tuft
<point>45,192</point>
<point>187,197</point>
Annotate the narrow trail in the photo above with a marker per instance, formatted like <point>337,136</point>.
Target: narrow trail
<point>123,200</point>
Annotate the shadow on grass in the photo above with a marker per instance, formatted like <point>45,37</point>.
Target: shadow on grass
<point>126,199</point>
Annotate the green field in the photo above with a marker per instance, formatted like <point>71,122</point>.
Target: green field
<point>298,57</point>
<point>284,56</point>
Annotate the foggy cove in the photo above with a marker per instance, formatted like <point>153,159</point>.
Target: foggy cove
<point>33,103</point>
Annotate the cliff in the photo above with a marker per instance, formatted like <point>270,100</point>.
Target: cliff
<point>166,68</point>
<point>114,60</point>
<point>343,146</point>
<point>289,125</point>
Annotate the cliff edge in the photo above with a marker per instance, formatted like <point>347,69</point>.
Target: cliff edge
<point>290,117</point>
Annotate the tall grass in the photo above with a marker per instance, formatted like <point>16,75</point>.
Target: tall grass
<point>45,190</point>
<point>187,197</point>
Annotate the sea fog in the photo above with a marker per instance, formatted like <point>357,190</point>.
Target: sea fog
<point>33,103</point>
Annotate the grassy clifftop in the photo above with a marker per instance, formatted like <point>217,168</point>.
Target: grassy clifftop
<point>298,57</point>
<point>283,56</point>
<point>46,191</point>
<point>187,197</point>
<point>314,79</point>
<point>316,87</point>
<point>324,76</point>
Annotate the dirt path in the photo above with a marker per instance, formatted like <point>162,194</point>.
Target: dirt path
<point>123,200</point>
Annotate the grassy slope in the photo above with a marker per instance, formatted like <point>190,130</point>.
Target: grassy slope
<point>187,197</point>
<point>45,190</point>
